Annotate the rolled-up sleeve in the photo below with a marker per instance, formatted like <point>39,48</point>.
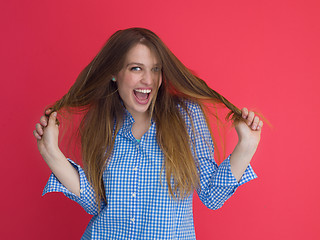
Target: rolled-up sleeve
<point>87,196</point>
<point>217,183</point>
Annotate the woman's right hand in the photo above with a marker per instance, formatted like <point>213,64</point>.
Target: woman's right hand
<point>46,133</point>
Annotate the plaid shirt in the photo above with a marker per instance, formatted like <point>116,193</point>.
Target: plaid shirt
<point>139,205</point>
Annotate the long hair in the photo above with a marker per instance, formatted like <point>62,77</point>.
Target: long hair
<point>95,94</point>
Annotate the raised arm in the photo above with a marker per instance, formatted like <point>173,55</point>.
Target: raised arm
<point>217,183</point>
<point>249,136</point>
<point>47,133</point>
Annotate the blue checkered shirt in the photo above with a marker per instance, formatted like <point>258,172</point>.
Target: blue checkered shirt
<point>139,205</point>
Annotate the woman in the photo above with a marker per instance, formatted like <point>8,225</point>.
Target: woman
<point>145,142</point>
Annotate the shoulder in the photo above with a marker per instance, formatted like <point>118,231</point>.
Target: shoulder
<point>191,112</point>
<point>189,108</point>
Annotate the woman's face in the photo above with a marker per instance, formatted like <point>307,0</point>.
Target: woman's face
<point>139,80</point>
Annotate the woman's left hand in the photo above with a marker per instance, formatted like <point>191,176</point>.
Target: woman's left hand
<point>250,130</point>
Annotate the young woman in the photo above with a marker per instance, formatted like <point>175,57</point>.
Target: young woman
<point>145,142</point>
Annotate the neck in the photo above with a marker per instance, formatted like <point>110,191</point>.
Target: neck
<point>141,125</point>
<point>141,118</point>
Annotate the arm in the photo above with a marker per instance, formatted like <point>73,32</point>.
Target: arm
<point>67,177</point>
<point>249,137</point>
<point>217,183</point>
<point>47,140</point>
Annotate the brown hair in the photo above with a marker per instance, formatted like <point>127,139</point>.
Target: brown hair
<point>95,94</point>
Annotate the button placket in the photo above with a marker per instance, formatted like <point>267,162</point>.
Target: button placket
<point>134,186</point>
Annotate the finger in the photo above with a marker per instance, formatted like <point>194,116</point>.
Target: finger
<point>36,135</point>
<point>48,111</point>
<point>244,112</point>
<point>255,123</point>
<point>250,118</point>
<point>52,119</point>
<point>44,121</point>
<point>39,129</point>
<point>260,125</point>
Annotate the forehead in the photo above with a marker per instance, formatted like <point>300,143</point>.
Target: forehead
<point>142,54</point>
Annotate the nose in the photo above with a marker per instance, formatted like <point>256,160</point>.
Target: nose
<point>148,78</point>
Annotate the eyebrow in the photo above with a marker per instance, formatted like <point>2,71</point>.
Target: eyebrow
<point>141,64</point>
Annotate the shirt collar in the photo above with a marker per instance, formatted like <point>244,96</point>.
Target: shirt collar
<point>128,120</point>
<point>127,123</point>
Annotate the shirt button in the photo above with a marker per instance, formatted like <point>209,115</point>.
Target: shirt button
<point>132,220</point>
<point>136,169</point>
<point>134,194</point>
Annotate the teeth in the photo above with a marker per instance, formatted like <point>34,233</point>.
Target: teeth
<point>143,90</point>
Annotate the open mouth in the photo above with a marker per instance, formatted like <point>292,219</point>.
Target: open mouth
<point>142,95</point>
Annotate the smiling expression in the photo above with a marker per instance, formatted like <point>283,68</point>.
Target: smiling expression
<point>139,80</point>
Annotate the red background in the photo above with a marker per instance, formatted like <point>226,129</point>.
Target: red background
<point>258,54</point>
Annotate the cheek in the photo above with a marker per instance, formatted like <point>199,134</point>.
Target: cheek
<point>123,82</point>
<point>122,88</point>
<point>160,81</point>
<point>124,91</point>
<point>128,81</point>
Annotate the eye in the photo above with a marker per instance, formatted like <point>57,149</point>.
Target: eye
<point>135,68</point>
<point>156,69</point>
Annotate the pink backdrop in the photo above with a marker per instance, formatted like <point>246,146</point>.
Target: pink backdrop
<point>258,54</point>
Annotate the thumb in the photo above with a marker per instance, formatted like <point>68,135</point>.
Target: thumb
<point>52,119</point>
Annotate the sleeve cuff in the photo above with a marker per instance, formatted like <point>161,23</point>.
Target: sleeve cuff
<point>54,185</point>
<point>224,176</point>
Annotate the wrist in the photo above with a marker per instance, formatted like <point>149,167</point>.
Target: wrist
<point>51,154</point>
<point>247,146</point>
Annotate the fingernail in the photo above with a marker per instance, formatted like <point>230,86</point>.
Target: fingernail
<point>55,114</point>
